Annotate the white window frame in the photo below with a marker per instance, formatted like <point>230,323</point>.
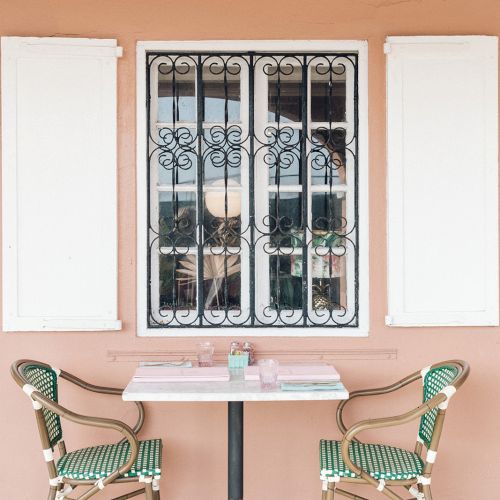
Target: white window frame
<point>358,46</point>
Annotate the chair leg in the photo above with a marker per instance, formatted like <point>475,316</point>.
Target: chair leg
<point>52,493</point>
<point>427,492</point>
<point>330,493</point>
<point>156,488</point>
<point>324,487</point>
<point>149,491</point>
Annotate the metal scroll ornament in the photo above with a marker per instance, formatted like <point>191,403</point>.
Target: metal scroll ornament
<point>244,197</point>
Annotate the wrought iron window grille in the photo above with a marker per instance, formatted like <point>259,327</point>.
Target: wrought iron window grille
<point>252,189</point>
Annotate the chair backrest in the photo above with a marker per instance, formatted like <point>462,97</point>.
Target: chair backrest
<point>434,381</point>
<point>44,379</point>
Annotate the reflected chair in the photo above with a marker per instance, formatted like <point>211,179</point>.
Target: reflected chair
<point>129,460</point>
<point>385,467</point>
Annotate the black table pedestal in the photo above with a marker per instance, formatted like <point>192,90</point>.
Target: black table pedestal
<point>235,450</point>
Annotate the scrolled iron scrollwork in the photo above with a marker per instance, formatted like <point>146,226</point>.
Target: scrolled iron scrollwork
<point>205,259</point>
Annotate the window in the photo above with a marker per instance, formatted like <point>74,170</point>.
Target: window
<point>252,184</point>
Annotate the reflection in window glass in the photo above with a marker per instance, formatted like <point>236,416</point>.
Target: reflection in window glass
<point>328,156</point>
<point>221,91</point>
<point>177,282</point>
<point>328,93</point>
<point>285,219</point>
<point>285,282</point>
<point>285,93</point>
<point>328,211</point>
<point>176,93</point>
<point>177,219</point>
<point>222,216</point>
<point>221,281</point>
<point>177,156</point>
<point>284,156</point>
<point>328,293</point>
<point>222,154</point>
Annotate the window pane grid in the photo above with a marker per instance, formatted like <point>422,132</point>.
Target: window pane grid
<point>294,250</point>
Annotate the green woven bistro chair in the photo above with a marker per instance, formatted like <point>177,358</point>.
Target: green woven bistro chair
<point>93,468</point>
<point>385,467</point>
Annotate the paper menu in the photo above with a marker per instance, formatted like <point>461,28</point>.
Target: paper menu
<point>176,374</point>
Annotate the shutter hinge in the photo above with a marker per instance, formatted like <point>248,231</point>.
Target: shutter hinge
<point>119,51</point>
<point>389,320</point>
<point>387,48</point>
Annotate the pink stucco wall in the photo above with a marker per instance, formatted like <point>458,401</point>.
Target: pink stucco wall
<point>281,439</point>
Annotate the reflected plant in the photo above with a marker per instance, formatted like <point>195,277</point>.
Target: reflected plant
<point>289,295</point>
<point>216,268</point>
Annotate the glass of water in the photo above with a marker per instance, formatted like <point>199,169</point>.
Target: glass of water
<point>206,354</point>
<point>268,374</point>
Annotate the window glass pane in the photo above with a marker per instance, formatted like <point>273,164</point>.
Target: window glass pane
<point>221,91</point>
<point>222,154</point>
<point>328,92</point>
<point>284,221</point>
<point>176,91</point>
<point>285,281</point>
<point>177,156</point>
<point>222,282</point>
<point>284,90</point>
<point>328,251</point>
<point>283,156</point>
<point>222,216</point>
<point>328,215</point>
<point>327,156</point>
<point>177,282</point>
<point>328,283</point>
<point>177,219</point>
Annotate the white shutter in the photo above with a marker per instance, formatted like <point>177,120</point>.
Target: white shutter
<point>442,180</point>
<point>59,184</point>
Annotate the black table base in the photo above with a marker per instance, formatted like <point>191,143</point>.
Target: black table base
<point>235,450</point>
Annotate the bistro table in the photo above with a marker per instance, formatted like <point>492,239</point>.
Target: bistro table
<point>235,393</point>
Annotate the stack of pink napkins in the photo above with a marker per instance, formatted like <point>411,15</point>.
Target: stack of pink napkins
<point>174,374</point>
<point>299,372</point>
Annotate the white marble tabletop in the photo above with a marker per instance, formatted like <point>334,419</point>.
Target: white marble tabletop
<point>236,389</point>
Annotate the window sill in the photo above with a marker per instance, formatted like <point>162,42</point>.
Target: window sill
<point>253,332</point>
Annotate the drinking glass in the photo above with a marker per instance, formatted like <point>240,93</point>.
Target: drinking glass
<point>268,373</point>
<point>206,354</point>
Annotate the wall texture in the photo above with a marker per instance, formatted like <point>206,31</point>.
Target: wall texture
<point>281,439</point>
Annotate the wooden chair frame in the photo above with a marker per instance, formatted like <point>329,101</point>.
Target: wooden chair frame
<point>57,485</point>
<point>349,434</point>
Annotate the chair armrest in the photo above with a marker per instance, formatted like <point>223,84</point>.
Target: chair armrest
<point>105,390</point>
<point>373,392</point>
<point>384,422</point>
<point>105,423</point>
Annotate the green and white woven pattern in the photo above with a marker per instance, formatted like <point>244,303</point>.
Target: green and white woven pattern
<point>45,381</point>
<point>100,461</point>
<point>378,460</point>
<point>435,380</point>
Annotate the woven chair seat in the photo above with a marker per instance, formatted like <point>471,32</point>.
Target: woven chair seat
<point>99,461</point>
<point>380,461</point>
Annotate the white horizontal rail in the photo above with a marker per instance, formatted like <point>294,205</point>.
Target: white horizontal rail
<point>191,188</point>
<point>316,188</point>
